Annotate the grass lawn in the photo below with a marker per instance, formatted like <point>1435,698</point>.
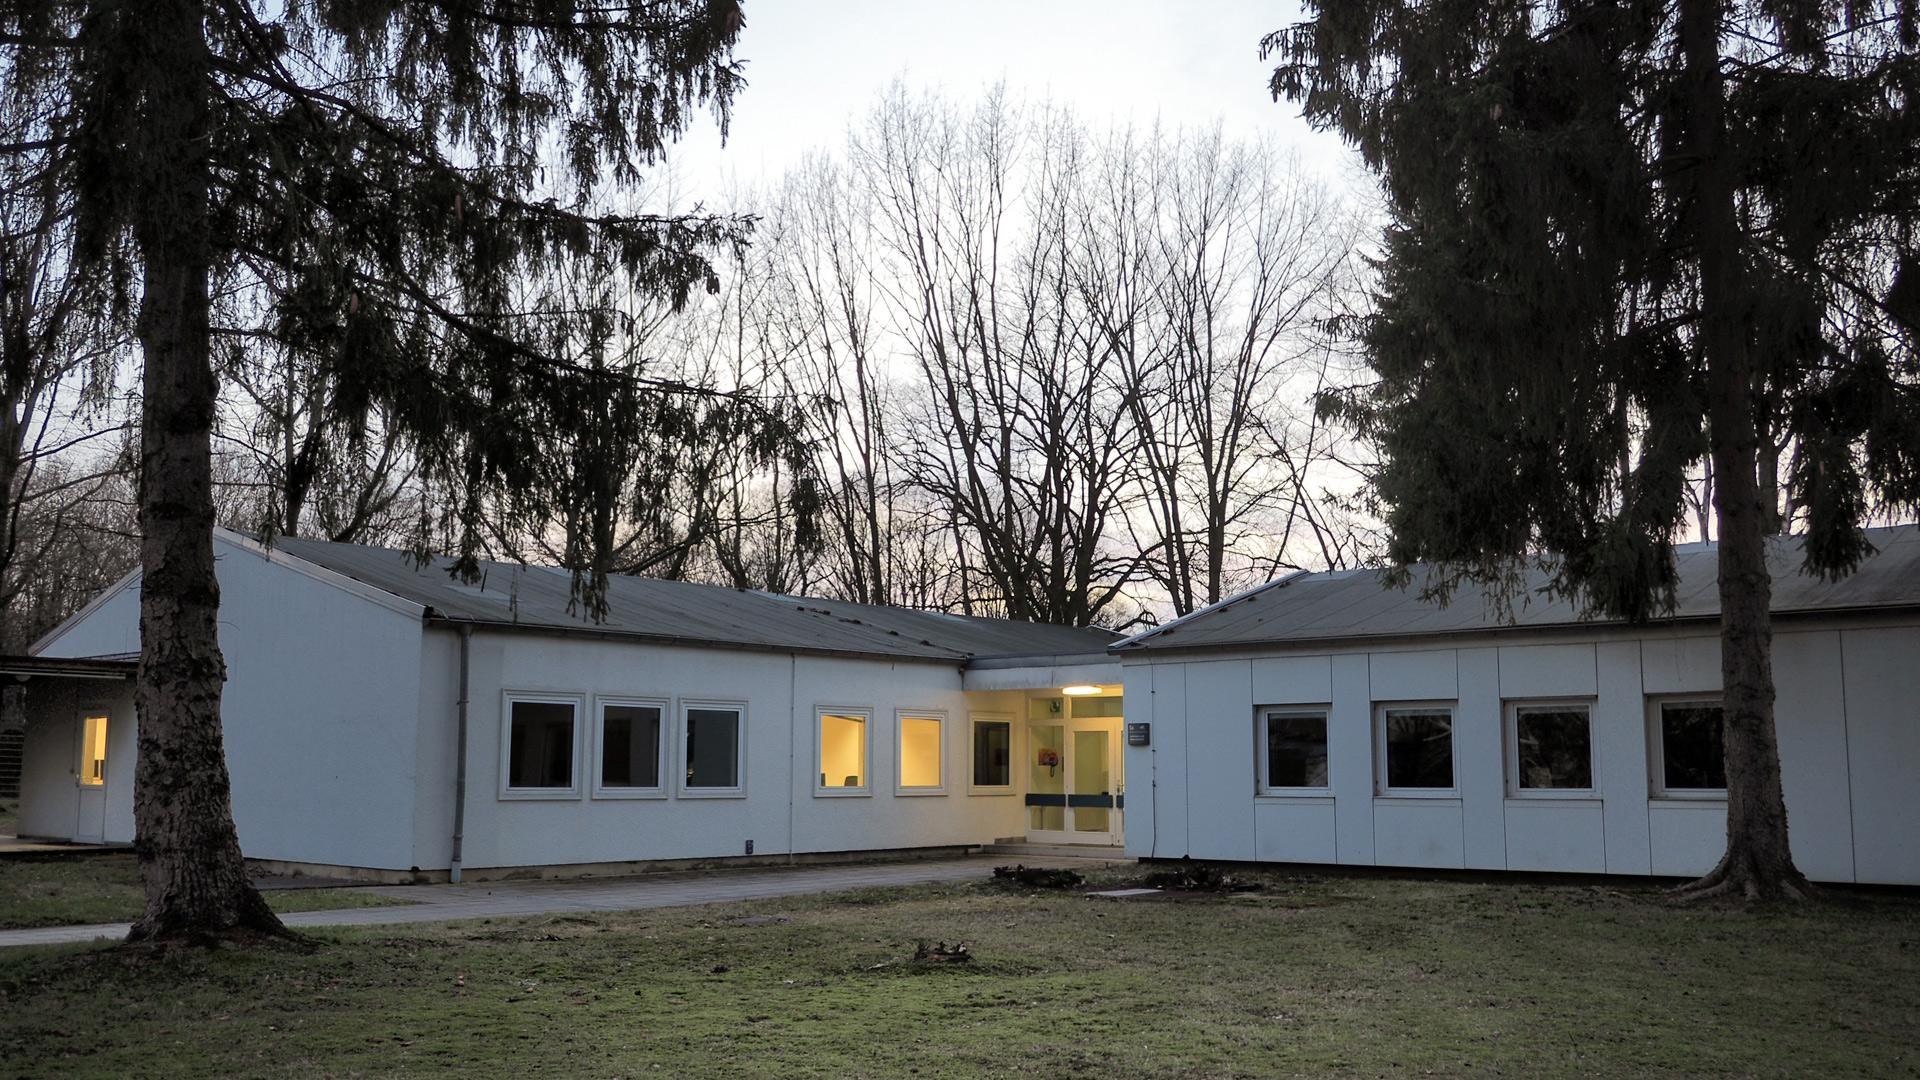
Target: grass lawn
<point>56,890</point>
<point>1318,975</point>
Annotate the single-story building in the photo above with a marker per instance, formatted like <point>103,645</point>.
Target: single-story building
<point>385,720</point>
<point>1324,718</point>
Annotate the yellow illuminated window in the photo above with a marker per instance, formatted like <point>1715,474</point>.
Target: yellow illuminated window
<point>843,751</point>
<point>93,751</point>
<point>920,752</point>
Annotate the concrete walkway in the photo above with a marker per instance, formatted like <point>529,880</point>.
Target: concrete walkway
<point>496,900</point>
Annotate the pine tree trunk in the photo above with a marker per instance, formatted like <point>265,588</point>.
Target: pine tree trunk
<point>196,882</point>
<point>1758,862</point>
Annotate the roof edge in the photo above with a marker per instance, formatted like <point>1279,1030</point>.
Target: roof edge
<point>441,619</point>
<point>1137,640</point>
<point>325,576</point>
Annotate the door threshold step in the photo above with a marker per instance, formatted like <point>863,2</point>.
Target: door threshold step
<point>1055,851</point>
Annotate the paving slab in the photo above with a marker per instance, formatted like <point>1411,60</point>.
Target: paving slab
<point>511,899</point>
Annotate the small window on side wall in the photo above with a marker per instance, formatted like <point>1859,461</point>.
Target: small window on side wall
<point>630,744</point>
<point>1416,750</point>
<point>1688,755</point>
<point>542,742</point>
<point>711,740</point>
<point>922,754</point>
<point>843,751</point>
<point>992,755</point>
<point>1293,755</point>
<point>1552,748</point>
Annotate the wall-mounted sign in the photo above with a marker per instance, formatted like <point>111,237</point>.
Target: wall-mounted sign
<point>1139,734</point>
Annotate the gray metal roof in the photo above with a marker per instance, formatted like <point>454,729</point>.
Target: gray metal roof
<point>537,598</point>
<point>1355,604</point>
<point>61,667</point>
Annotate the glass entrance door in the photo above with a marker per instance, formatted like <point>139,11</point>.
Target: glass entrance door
<point>1075,794</point>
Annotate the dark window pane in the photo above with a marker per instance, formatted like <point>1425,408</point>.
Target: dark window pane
<point>1419,748</point>
<point>540,750</point>
<point>1297,751</point>
<point>992,754</point>
<point>1556,747</point>
<point>1690,746</point>
<point>713,748</point>
<point>630,746</point>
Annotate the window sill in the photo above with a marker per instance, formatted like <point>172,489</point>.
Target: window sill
<point>1584,800</point>
<point>918,792</point>
<point>990,791</point>
<point>842,793</point>
<point>713,793</point>
<point>1305,795</point>
<point>1414,798</point>
<point>540,795</point>
<point>1715,800</point>
<point>619,794</point>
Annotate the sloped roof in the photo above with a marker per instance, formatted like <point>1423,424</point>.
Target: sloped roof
<point>1355,604</point>
<point>537,598</point>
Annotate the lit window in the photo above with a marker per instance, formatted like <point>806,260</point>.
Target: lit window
<point>1416,749</point>
<point>992,754</point>
<point>630,743</point>
<point>921,756</point>
<point>1552,748</point>
<point>843,751</point>
<point>713,764</point>
<point>1295,744</point>
<point>93,750</point>
<point>1687,749</point>
<point>540,746</point>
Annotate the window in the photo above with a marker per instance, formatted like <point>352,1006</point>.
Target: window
<point>93,750</point>
<point>992,755</point>
<point>1293,750</point>
<point>1416,750</point>
<point>630,748</point>
<point>843,751</point>
<point>922,760</point>
<point>713,736</point>
<point>1552,748</point>
<point>541,743</point>
<point>1688,758</point>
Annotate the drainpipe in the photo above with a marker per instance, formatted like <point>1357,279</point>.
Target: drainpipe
<point>460,761</point>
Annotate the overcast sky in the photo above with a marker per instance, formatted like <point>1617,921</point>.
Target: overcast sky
<point>813,64</point>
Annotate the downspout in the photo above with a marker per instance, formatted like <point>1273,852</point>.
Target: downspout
<point>460,759</point>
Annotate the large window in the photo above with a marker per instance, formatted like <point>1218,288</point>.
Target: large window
<point>631,743</point>
<point>712,738</point>
<point>541,747</point>
<point>1415,747</point>
<point>922,759</point>
<point>1688,756</point>
<point>992,755</point>
<point>843,751</point>
<point>1552,748</point>
<point>1293,745</point>
<point>93,750</point>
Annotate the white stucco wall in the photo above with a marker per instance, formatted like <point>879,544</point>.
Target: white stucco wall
<point>318,712</point>
<point>780,811</point>
<point>1848,716</point>
<point>50,790</point>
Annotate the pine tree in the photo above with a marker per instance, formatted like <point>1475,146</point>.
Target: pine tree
<point>1626,238</point>
<point>395,194</point>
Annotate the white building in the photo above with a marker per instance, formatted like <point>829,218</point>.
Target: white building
<point>1318,719</point>
<point>1325,719</point>
<point>696,723</point>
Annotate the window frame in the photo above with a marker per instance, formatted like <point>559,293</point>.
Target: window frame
<point>598,755</point>
<point>507,792</point>
<point>1657,749</point>
<point>1262,715</point>
<point>865,790</point>
<point>680,787</point>
<point>900,718</point>
<point>88,712</point>
<point>1511,735</point>
<point>974,720</point>
<point>1381,786</point>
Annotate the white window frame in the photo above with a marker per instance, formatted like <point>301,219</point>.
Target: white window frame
<point>80,747</point>
<point>1380,786</point>
<point>1261,715</point>
<point>739,790</point>
<point>1013,752</point>
<point>1512,736</point>
<point>661,756</point>
<point>1657,750</point>
<point>540,697</point>
<point>865,790</point>
<point>900,718</point>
